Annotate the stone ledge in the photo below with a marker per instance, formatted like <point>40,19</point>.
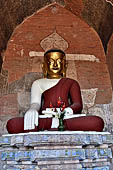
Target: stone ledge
<point>58,138</point>
<point>56,150</point>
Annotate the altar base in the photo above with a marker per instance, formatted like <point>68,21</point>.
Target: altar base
<point>56,151</point>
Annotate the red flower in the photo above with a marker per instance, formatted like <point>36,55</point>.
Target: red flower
<point>50,105</point>
<point>59,102</point>
<point>64,106</point>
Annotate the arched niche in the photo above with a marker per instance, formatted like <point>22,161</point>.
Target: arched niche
<point>53,26</point>
<point>110,58</point>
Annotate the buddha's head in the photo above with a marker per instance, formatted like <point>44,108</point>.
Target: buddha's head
<point>54,65</point>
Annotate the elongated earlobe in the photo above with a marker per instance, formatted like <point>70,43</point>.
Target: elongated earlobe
<point>44,70</point>
<point>64,69</point>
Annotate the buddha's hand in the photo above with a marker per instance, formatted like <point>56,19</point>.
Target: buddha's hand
<point>30,119</point>
<point>68,112</point>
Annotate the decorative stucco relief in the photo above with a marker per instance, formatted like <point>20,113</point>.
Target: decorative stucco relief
<point>109,2</point>
<point>105,112</point>
<point>82,57</point>
<point>54,41</point>
<point>79,57</point>
<point>88,97</point>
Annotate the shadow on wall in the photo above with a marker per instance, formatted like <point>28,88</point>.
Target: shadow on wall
<point>15,102</point>
<point>0,63</point>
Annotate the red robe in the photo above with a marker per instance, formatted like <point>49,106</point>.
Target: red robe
<point>69,92</point>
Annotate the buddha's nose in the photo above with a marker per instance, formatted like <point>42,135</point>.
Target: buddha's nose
<point>55,64</point>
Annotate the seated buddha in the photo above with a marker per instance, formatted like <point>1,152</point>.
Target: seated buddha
<point>45,94</point>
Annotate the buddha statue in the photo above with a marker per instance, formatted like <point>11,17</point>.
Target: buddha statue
<point>45,94</point>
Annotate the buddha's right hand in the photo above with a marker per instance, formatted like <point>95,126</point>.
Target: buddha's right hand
<point>30,119</point>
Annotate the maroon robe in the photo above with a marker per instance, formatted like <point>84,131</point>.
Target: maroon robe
<point>69,92</point>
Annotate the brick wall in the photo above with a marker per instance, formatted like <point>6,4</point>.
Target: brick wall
<point>52,26</point>
<point>110,58</point>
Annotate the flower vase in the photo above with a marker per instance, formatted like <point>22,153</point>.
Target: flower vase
<point>61,125</point>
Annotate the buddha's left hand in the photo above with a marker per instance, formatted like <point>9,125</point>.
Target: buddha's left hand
<point>68,111</point>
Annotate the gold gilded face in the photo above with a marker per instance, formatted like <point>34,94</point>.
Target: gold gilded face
<point>54,64</point>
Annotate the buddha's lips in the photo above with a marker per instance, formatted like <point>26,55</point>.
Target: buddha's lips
<point>55,68</point>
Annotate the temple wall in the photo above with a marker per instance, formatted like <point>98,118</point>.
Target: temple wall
<point>54,27</point>
<point>110,58</point>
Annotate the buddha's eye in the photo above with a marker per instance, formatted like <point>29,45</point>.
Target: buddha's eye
<point>50,61</point>
<point>59,61</point>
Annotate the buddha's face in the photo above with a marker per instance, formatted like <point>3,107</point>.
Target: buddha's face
<point>54,63</point>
